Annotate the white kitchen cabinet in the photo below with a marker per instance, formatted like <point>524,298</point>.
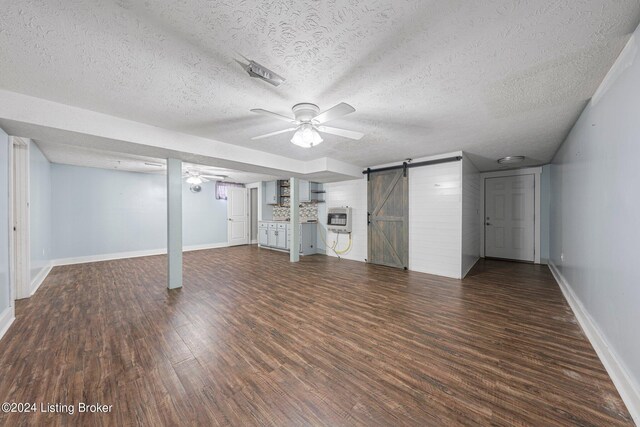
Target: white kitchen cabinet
<point>281,238</point>
<point>263,236</point>
<point>277,235</point>
<point>310,191</point>
<point>304,191</point>
<point>271,192</point>
<point>308,237</point>
<point>272,239</point>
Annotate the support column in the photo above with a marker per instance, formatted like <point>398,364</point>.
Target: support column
<point>294,200</point>
<point>174,223</point>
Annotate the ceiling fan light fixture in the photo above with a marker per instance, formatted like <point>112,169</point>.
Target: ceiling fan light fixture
<point>194,180</point>
<point>306,136</point>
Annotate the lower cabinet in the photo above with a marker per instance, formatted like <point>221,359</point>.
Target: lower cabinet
<point>277,235</point>
<point>277,238</point>
<point>307,238</point>
<point>263,236</point>
<point>272,237</point>
<point>281,238</point>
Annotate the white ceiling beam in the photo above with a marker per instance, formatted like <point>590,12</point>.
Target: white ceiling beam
<point>37,118</point>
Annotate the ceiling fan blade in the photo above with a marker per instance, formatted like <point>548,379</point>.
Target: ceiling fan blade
<point>215,177</point>
<point>334,112</point>
<point>341,132</point>
<point>266,135</point>
<point>272,114</point>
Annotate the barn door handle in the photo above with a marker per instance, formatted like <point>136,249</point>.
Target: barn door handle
<point>368,218</point>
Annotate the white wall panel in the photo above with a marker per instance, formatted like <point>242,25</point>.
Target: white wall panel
<point>353,194</point>
<point>5,282</point>
<point>435,229</point>
<point>435,217</point>
<point>471,217</point>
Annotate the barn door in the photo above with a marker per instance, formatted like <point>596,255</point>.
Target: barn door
<point>388,209</point>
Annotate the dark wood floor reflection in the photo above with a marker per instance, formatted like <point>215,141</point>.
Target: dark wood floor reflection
<point>254,340</point>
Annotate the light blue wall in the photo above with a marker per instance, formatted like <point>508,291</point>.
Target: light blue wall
<point>5,284</point>
<point>100,211</point>
<point>204,219</point>
<point>39,210</point>
<point>595,210</point>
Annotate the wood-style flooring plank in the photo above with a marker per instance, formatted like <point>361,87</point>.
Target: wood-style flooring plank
<point>252,339</point>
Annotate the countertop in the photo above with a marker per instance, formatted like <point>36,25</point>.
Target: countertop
<point>288,221</point>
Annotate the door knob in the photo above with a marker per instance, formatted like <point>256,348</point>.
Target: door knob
<point>488,223</point>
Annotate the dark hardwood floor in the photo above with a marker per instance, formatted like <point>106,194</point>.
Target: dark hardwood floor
<point>254,340</point>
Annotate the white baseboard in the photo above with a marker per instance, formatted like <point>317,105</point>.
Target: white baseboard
<point>7,317</point>
<point>206,246</point>
<point>626,386</point>
<point>134,254</point>
<point>37,281</point>
<point>464,273</point>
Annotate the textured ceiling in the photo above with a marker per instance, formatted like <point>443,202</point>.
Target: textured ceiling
<point>490,77</point>
<point>74,155</point>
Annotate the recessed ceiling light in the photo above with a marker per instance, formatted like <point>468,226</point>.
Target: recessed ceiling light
<point>511,159</point>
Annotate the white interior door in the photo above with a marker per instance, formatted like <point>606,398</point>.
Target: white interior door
<point>238,216</point>
<point>510,217</point>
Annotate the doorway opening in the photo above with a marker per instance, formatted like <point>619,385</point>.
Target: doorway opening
<point>253,216</point>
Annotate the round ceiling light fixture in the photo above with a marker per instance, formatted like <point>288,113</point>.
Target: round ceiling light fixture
<point>511,160</point>
<point>306,136</point>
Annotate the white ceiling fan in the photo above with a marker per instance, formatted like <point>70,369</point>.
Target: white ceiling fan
<point>196,177</point>
<point>309,122</point>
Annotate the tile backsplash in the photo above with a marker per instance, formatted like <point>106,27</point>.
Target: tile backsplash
<point>308,212</point>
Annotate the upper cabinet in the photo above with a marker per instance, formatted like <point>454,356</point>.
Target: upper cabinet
<point>316,192</point>
<point>304,191</point>
<point>311,192</point>
<point>271,193</point>
<point>277,192</point>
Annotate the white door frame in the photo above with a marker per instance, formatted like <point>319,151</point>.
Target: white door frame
<point>12,255</point>
<point>257,185</point>
<point>250,211</point>
<point>19,254</point>
<point>536,172</point>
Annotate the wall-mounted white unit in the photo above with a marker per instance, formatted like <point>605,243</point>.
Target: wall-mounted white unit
<point>339,220</point>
